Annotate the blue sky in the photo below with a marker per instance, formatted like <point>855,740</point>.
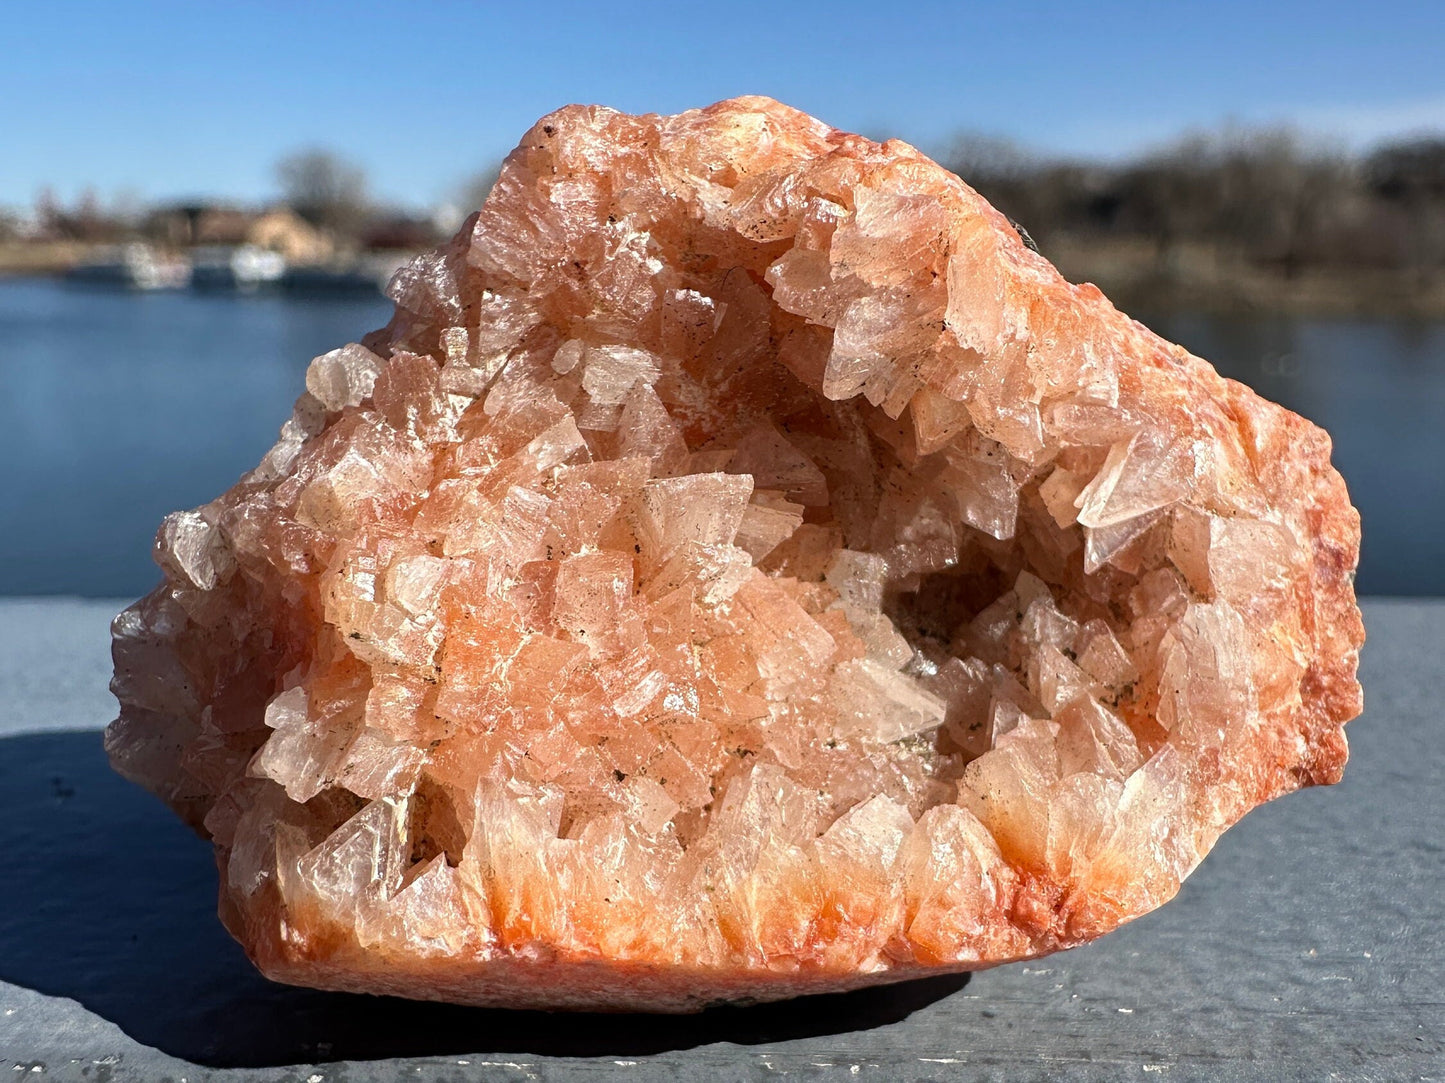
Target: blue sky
<point>172,99</point>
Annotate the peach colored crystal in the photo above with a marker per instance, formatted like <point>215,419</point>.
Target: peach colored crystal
<point>741,568</point>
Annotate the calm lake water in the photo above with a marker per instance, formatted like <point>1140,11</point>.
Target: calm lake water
<point>117,408</point>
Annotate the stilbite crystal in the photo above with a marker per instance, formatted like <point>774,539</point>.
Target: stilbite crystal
<point>742,568</point>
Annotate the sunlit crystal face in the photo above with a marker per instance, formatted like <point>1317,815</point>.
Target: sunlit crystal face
<point>742,560</point>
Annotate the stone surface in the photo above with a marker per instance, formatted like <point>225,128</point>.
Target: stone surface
<point>1306,946</point>
<point>741,568</point>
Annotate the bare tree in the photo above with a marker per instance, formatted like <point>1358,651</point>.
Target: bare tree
<point>1002,172</point>
<point>325,189</point>
<point>475,189</point>
<point>1042,196</point>
<point>990,159</point>
<point>1408,178</point>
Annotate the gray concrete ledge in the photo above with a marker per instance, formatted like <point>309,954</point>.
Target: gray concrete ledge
<point>1309,945</point>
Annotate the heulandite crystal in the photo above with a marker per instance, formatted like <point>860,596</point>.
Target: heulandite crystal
<point>742,568</point>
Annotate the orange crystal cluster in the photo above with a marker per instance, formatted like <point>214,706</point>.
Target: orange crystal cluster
<point>741,568</point>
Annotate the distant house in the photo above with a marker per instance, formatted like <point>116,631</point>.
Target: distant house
<point>223,225</point>
<point>184,225</point>
<point>278,229</point>
<point>283,230</point>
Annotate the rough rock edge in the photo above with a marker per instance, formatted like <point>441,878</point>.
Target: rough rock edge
<point>1330,696</point>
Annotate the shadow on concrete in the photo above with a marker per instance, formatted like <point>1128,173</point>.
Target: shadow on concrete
<point>110,901</point>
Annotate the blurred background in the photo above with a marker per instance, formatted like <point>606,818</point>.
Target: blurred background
<point>197,199</point>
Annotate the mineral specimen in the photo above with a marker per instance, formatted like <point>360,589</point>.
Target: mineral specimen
<point>742,568</point>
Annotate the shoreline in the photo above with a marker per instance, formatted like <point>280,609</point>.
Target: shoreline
<point>1131,273</point>
<point>1206,279</point>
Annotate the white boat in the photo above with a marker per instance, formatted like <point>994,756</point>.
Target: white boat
<point>133,266</point>
<point>243,268</point>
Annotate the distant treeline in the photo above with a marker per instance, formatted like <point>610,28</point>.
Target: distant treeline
<point>1268,200</point>
<point>322,189</point>
<point>1262,218</point>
